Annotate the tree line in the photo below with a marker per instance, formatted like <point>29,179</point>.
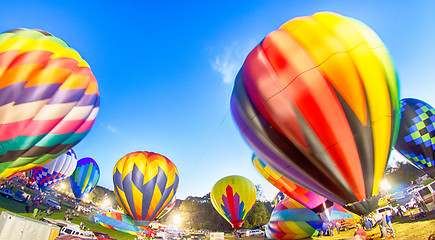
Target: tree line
<point>198,213</point>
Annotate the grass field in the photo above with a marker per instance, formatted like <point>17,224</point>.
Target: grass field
<point>405,228</point>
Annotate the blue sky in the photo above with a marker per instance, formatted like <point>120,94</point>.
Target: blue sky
<point>166,71</point>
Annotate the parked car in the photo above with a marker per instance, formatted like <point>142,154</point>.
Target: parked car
<point>50,202</point>
<point>6,192</point>
<point>387,209</point>
<point>20,196</point>
<point>255,232</point>
<point>102,236</point>
<point>75,231</point>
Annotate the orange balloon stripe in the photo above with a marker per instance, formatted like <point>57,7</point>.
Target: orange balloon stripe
<point>314,103</point>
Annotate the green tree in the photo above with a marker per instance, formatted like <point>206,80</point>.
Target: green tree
<point>258,216</point>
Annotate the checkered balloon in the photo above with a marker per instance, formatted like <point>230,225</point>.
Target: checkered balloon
<point>416,140</point>
<point>53,172</point>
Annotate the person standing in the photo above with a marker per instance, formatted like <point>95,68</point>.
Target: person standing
<point>388,219</point>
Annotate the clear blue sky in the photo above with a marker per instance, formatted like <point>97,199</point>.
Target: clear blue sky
<point>166,70</point>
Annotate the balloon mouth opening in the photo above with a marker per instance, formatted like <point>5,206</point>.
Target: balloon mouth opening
<point>237,223</point>
<point>141,223</point>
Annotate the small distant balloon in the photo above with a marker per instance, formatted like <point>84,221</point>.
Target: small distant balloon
<point>53,172</point>
<point>85,177</point>
<point>49,99</point>
<point>233,198</point>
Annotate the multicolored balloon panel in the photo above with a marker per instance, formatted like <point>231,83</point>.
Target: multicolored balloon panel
<point>291,220</point>
<point>85,177</point>
<point>48,99</point>
<point>53,172</point>
<point>317,99</point>
<point>303,196</point>
<point>118,222</point>
<point>167,209</point>
<point>233,198</point>
<point>416,139</point>
<point>145,183</point>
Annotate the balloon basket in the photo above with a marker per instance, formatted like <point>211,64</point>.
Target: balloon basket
<point>141,223</point>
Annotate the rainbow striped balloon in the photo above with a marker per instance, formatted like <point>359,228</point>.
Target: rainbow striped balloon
<point>85,177</point>
<point>145,183</point>
<point>318,100</point>
<point>233,198</point>
<point>291,220</point>
<point>118,222</point>
<point>48,99</point>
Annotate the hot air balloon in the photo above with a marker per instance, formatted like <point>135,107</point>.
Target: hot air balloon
<point>145,183</point>
<point>233,198</point>
<point>167,209</point>
<point>48,99</point>
<point>85,177</point>
<point>312,201</point>
<point>291,220</point>
<point>54,171</point>
<point>117,221</point>
<point>416,140</point>
<point>317,99</point>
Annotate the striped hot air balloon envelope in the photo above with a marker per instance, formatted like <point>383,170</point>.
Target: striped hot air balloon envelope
<point>291,220</point>
<point>118,222</point>
<point>144,184</point>
<point>318,100</point>
<point>233,198</point>
<point>48,99</point>
<point>53,172</point>
<point>85,177</point>
<point>312,201</point>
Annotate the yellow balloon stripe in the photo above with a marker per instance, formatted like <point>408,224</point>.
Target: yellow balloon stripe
<point>137,196</point>
<point>25,44</point>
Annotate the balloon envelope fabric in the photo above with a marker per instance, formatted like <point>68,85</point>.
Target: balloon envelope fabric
<point>145,183</point>
<point>416,139</point>
<point>313,201</point>
<point>233,198</point>
<point>48,99</point>
<point>314,98</point>
<point>85,177</point>
<point>117,221</point>
<point>291,220</point>
<point>54,171</point>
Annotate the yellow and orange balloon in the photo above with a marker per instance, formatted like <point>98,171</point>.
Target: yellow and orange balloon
<point>233,198</point>
<point>145,183</point>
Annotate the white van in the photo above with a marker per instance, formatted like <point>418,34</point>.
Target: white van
<point>75,230</point>
<point>387,209</point>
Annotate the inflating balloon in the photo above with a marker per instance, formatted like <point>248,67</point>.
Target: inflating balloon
<point>312,201</point>
<point>318,100</point>
<point>233,198</point>
<point>54,171</point>
<point>48,99</point>
<point>291,220</point>
<point>277,199</point>
<point>117,221</point>
<point>145,183</point>
<point>85,177</point>
<point>416,140</point>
